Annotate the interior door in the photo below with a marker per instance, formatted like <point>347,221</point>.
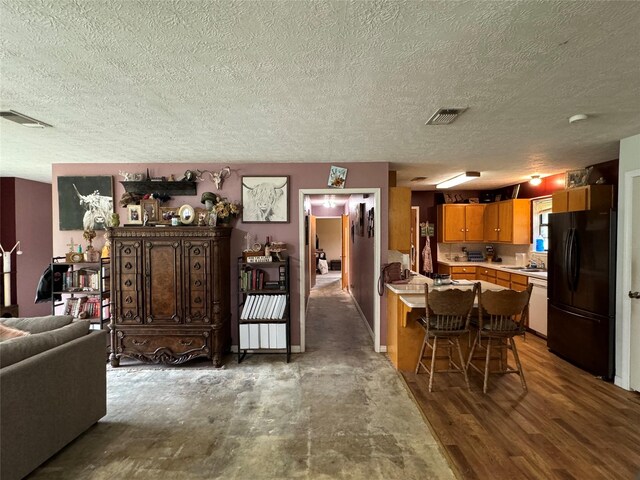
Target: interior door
<point>634,364</point>
<point>345,252</point>
<point>415,238</point>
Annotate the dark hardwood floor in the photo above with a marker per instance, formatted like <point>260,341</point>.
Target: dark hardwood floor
<point>569,425</point>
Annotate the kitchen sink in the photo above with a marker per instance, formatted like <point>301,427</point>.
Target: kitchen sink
<point>527,269</point>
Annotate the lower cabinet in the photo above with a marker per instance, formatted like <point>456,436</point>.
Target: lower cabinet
<point>463,273</point>
<point>171,294</point>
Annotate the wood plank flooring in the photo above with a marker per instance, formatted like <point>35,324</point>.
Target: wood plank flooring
<point>569,425</point>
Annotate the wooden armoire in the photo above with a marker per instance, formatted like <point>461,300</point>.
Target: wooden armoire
<point>170,293</point>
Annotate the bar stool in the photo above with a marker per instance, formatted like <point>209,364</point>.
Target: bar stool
<point>503,315</point>
<point>447,317</point>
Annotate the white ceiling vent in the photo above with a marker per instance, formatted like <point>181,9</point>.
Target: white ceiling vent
<point>23,119</point>
<point>445,116</point>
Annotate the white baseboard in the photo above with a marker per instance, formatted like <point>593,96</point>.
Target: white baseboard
<point>294,349</point>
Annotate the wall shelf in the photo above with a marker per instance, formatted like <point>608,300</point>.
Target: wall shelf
<point>150,186</point>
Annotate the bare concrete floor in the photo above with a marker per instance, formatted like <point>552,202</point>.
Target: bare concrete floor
<point>338,411</point>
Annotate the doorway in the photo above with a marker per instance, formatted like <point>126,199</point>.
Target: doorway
<point>629,265</point>
<point>304,266</point>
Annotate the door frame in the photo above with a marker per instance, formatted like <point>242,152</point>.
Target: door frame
<point>623,328</point>
<point>376,192</point>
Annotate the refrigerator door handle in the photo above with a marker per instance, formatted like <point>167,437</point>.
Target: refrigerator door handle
<point>575,259</point>
<point>567,258</point>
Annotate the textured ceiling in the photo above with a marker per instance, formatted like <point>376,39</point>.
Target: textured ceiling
<point>302,81</point>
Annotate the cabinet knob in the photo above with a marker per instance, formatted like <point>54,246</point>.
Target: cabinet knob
<point>462,229</point>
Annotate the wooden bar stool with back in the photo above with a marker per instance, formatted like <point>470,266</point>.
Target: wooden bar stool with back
<point>502,315</point>
<point>447,317</point>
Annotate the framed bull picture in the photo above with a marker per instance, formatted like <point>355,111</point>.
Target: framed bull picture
<point>265,199</point>
<point>85,203</point>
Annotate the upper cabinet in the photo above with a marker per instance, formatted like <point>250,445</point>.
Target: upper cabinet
<point>400,219</point>
<point>461,223</point>
<point>588,197</point>
<point>508,221</point>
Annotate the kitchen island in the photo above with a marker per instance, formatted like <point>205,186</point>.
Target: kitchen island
<point>405,304</point>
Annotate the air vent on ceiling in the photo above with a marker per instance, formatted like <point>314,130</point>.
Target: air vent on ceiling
<point>23,120</point>
<point>445,116</point>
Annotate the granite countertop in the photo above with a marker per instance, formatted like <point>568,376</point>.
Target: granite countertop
<point>506,267</point>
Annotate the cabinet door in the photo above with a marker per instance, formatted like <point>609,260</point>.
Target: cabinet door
<point>577,199</point>
<point>491,222</point>
<point>559,201</point>
<point>454,223</point>
<point>474,223</point>
<point>505,221</point>
<point>163,282</point>
<point>197,280</point>
<point>400,219</point>
<point>127,280</point>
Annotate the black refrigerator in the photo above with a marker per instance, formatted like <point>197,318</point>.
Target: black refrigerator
<point>581,289</point>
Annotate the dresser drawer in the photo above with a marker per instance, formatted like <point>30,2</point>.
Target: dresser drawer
<point>163,346</point>
<point>506,276</point>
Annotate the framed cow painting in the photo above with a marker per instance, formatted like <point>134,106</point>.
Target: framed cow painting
<point>85,203</point>
<point>265,199</point>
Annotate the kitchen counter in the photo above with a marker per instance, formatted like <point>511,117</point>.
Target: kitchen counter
<point>405,303</point>
<point>505,267</point>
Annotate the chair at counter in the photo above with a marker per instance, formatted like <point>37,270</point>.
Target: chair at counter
<point>502,316</point>
<point>448,313</point>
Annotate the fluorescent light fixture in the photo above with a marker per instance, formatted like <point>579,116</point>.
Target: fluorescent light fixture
<point>535,180</point>
<point>464,177</point>
<point>22,119</point>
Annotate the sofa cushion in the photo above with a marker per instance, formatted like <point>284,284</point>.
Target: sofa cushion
<point>17,349</point>
<point>38,324</point>
<point>7,332</point>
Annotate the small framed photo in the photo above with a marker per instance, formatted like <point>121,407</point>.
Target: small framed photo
<point>165,214</point>
<point>150,205</point>
<point>337,177</point>
<point>202,216</point>
<point>134,214</point>
<point>577,178</point>
<point>265,199</point>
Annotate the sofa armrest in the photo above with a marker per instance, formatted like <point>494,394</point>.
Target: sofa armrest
<point>49,399</point>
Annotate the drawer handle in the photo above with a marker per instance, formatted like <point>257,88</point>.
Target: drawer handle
<point>128,266</point>
<point>128,300</point>
<point>197,266</point>
<point>197,300</point>
<point>197,283</point>
<point>185,343</point>
<point>128,283</point>
<point>127,251</point>
<point>139,343</point>
<point>196,251</point>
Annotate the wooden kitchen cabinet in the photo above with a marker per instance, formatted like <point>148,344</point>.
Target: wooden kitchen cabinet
<point>508,221</point>
<point>589,197</point>
<point>486,274</point>
<point>463,273</point>
<point>503,278</point>
<point>171,294</point>
<point>400,219</point>
<point>519,282</point>
<point>461,223</point>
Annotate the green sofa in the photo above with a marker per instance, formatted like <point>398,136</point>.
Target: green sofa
<point>52,388</point>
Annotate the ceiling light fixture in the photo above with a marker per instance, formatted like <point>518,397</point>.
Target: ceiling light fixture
<point>445,116</point>
<point>577,118</point>
<point>535,180</point>
<point>22,119</point>
<point>464,177</point>
<point>329,202</point>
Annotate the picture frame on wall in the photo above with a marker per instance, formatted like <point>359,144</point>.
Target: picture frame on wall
<point>85,202</point>
<point>265,199</point>
<point>360,213</point>
<point>337,177</point>
<point>134,214</point>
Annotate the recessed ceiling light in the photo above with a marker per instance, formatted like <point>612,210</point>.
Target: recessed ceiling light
<point>464,177</point>
<point>445,116</point>
<point>22,119</point>
<point>418,179</point>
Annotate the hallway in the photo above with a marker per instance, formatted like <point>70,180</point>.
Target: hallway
<point>338,411</point>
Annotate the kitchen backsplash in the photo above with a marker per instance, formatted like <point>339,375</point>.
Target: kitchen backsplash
<point>453,252</point>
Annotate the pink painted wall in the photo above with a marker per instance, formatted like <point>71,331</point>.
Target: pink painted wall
<point>32,207</point>
<point>302,176</point>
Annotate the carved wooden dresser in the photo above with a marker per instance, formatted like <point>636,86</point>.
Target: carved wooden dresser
<point>171,293</point>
